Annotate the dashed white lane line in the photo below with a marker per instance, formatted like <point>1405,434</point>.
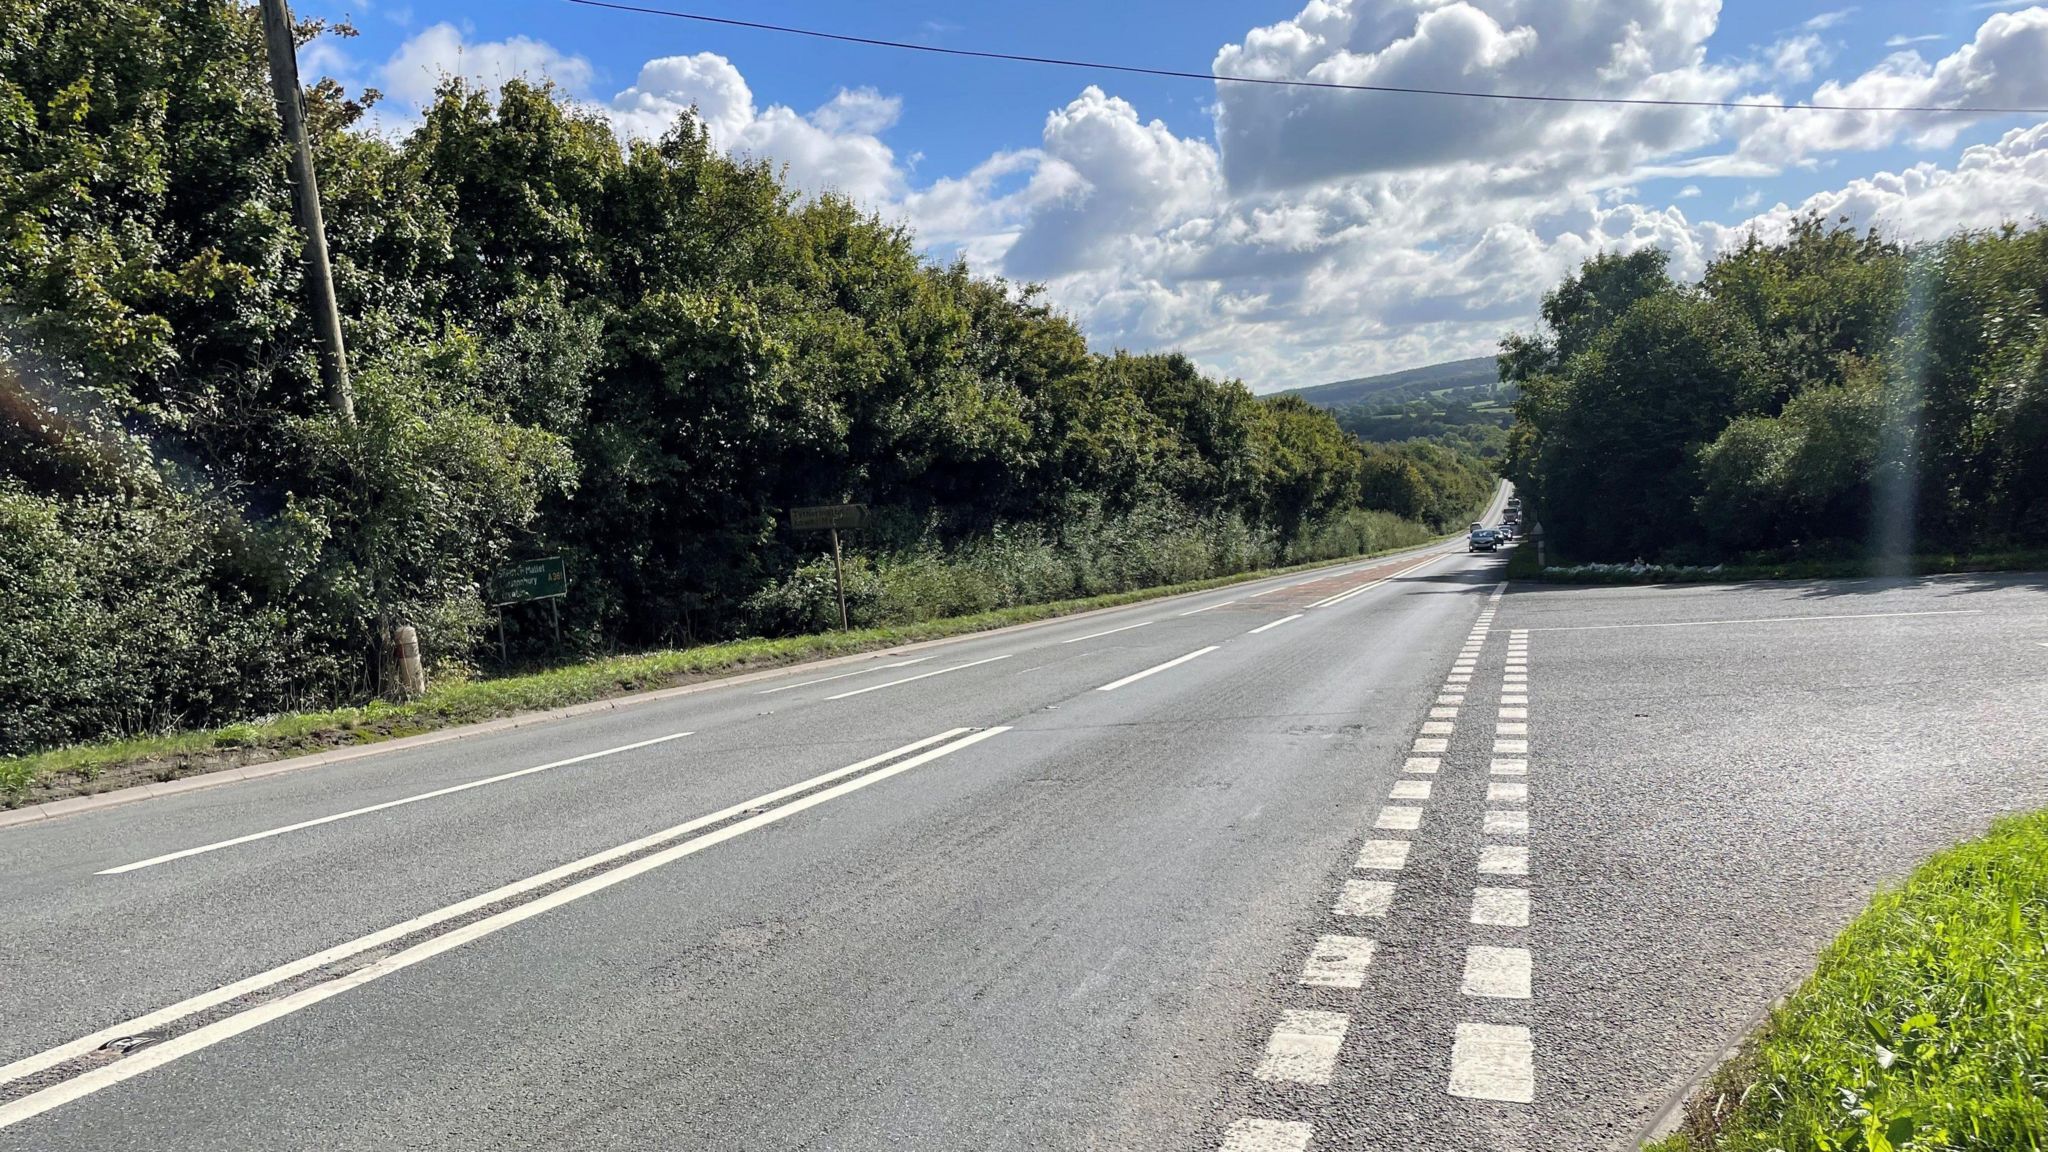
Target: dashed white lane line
<point>1156,668</point>
<point>227,1027</point>
<point>1458,678</point>
<point>1304,1047</point>
<point>316,822</point>
<point>1267,1136</point>
<point>1504,860</point>
<point>1424,764</point>
<point>1409,790</point>
<point>1398,818</point>
<point>1501,767</point>
<point>1507,822</point>
<point>1338,962</point>
<point>1383,855</point>
<point>1106,632</point>
<point>1274,624</point>
<point>1431,744</point>
<point>1511,728</point>
<point>1493,1062</point>
<point>1450,698</point>
<point>1205,608</point>
<point>1514,698</point>
<point>1515,713</point>
<point>1510,747</point>
<point>921,676</point>
<point>1443,713</point>
<point>1500,907</point>
<point>1507,792</point>
<point>1496,973</point>
<point>1438,728</point>
<point>844,675</point>
<point>1762,620</point>
<point>1365,898</point>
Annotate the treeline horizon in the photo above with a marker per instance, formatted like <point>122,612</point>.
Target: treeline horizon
<point>1835,395</point>
<point>636,354</point>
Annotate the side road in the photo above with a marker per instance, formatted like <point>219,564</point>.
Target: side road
<point>1223,592</point>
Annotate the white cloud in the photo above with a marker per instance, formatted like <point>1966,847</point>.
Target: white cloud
<point>1825,20</point>
<point>441,52</point>
<point>1904,41</point>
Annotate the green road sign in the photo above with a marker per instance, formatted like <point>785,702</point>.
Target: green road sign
<point>540,579</point>
<point>832,516</point>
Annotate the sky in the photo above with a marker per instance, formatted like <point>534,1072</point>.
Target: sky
<point>1284,236</point>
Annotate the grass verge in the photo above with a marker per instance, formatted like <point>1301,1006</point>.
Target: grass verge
<point>85,768</point>
<point>1924,1027</point>
<point>1522,566</point>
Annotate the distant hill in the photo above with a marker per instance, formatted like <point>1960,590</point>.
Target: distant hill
<point>1480,372</point>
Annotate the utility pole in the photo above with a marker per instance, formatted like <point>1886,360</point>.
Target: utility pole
<point>284,83</point>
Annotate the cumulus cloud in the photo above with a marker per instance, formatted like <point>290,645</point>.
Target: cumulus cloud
<point>441,52</point>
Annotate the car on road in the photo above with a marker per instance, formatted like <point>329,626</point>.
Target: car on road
<point>1484,540</point>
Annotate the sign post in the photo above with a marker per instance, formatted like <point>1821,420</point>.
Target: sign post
<point>546,578</point>
<point>831,518</point>
<point>1536,534</point>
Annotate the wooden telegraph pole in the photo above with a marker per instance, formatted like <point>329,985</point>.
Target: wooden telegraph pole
<point>284,83</point>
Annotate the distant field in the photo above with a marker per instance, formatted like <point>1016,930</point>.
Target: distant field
<point>1455,378</point>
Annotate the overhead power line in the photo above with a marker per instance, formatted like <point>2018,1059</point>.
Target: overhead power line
<point>1274,82</point>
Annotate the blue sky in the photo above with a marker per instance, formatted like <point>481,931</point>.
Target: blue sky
<point>1293,242</point>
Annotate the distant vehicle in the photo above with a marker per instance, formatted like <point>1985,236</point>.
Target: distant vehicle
<point>1505,533</point>
<point>1476,526</point>
<point>1484,540</point>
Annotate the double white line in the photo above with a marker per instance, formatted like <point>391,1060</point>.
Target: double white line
<point>1348,593</point>
<point>226,1027</point>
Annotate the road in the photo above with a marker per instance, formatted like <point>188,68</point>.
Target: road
<point>1122,881</point>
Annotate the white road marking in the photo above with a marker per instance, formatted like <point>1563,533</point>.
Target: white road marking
<point>1507,792</point>
<point>1398,818</point>
<point>1509,767</point>
<point>1106,632</point>
<point>921,676</point>
<point>1365,898</point>
<point>1511,728</point>
<point>1409,790</point>
<point>1175,662</point>
<point>1274,624</point>
<point>367,809</point>
<point>1383,855</point>
<point>1504,860</point>
<point>1507,713</point>
<point>1493,1062</point>
<point>1443,713</point>
<point>1510,747</point>
<point>1512,666</point>
<point>1501,907</point>
<point>1304,1047</point>
<point>1336,962</point>
<point>1763,620</point>
<point>1514,698</point>
<point>1267,1136</point>
<point>1206,607</point>
<point>844,675</point>
<point>1514,678</point>
<point>155,1056</point>
<point>1421,764</point>
<point>1506,822</point>
<point>1438,727</point>
<point>1450,698</point>
<point>1458,678</point>
<point>1431,744</point>
<point>1346,595</point>
<point>1496,973</point>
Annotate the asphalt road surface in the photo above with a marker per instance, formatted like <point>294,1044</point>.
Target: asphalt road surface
<point>1191,874</point>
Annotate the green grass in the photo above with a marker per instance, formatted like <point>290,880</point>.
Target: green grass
<point>75,768</point>
<point>1522,566</point>
<point>1924,1027</point>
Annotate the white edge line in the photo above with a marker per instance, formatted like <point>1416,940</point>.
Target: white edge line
<point>317,821</point>
<point>28,1065</point>
<point>844,675</point>
<point>1206,607</point>
<point>1760,620</point>
<point>1136,676</point>
<point>1274,624</point>
<point>205,1037</point>
<point>1093,635</point>
<point>921,676</point>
